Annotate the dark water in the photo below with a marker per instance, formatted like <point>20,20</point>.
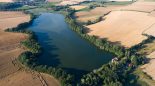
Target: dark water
<point>63,47</point>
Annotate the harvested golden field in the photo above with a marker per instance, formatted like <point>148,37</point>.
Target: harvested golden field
<point>27,78</point>
<point>78,7</point>
<point>141,6</point>
<point>152,13</point>
<point>151,30</point>
<point>149,50</point>
<point>124,27</point>
<point>6,0</point>
<point>8,64</point>
<point>84,16</point>
<point>10,49</point>
<point>10,42</point>
<point>50,81</point>
<point>149,67</point>
<point>10,14</point>
<point>12,19</point>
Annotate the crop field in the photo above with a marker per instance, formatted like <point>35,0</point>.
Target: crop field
<point>151,30</point>
<point>149,50</point>
<point>152,13</point>
<point>84,16</point>
<point>6,0</point>
<point>78,7</point>
<point>11,72</point>
<point>149,67</point>
<point>123,27</point>
<point>12,19</point>
<point>27,78</point>
<point>141,6</point>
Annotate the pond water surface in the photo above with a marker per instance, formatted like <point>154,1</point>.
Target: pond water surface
<point>63,47</point>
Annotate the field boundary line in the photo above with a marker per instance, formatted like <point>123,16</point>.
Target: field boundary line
<point>148,28</point>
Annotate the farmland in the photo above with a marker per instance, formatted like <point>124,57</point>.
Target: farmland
<point>129,25</point>
<point>84,16</point>
<point>122,31</point>
<point>11,71</point>
<point>78,7</point>
<point>141,7</point>
<point>6,0</point>
<point>126,26</point>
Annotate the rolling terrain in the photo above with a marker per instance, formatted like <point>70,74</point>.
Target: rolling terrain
<point>11,71</point>
<point>126,26</point>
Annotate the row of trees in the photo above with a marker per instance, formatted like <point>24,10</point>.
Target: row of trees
<point>29,58</point>
<point>101,43</point>
<point>23,26</point>
<point>111,74</point>
<point>9,6</point>
<point>89,22</point>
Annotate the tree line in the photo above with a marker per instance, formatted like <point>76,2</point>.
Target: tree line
<point>29,58</point>
<point>111,74</point>
<point>9,6</point>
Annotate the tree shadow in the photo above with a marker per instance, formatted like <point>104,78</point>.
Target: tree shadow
<point>48,57</point>
<point>86,30</point>
<point>78,73</point>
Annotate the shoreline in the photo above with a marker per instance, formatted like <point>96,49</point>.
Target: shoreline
<point>28,58</point>
<point>21,30</point>
<point>85,36</point>
<point>132,49</point>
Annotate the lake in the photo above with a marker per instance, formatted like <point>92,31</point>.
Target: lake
<point>64,48</point>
